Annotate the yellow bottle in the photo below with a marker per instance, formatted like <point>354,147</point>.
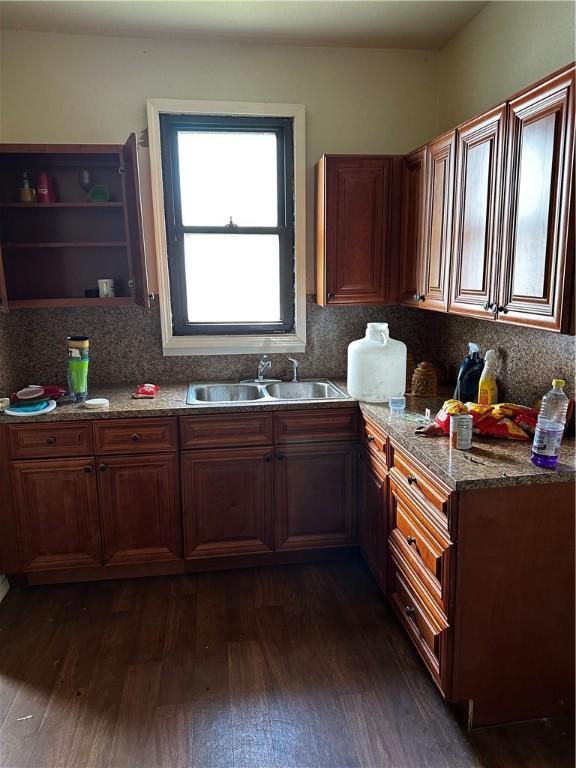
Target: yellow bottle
<point>487,386</point>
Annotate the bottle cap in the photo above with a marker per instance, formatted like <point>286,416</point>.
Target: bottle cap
<point>558,383</point>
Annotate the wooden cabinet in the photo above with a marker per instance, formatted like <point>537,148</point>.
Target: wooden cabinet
<point>410,269</point>
<point>372,516</point>
<point>228,501</point>
<point>315,495</point>
<point>56,509</point>
<point>140,508</point>
<point>354,228</point>
<point>51,253</point>
<point>478,214</point>
<point>538,256</point>
<point>438,222</point>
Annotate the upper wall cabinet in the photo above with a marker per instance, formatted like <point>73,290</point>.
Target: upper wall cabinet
<point>438,222</point>
<point>477,213</point>
<point>538,253</point>
<point>86,225</point>
<point>354,198</point>
<point>411,238</point>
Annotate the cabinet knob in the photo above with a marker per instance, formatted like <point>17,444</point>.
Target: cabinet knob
<point>370,438</point>
<point>489,306</point>
<point>502,310</point>
<point>412,480</point>
<point>280,456</point>
<point>419,297</point>
<point>88,468</point>
<point>268,457</point>
<point>329,295</point>
<point>410,540</point>
<point>103,467</point>
<point>409,611</point>
<point>50,440</point>
<point>135,437</point>
<point>422,298</point>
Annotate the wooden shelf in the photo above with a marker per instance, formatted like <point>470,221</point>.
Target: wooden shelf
<point>119,301</point>
<point>92,244</point>
<point>44,206</point>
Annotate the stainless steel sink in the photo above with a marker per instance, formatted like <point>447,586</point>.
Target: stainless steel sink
<point>316,389</point>
<point>304,390</point>
<point>224,393</point>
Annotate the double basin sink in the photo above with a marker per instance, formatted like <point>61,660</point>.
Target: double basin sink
<point>317,389</point>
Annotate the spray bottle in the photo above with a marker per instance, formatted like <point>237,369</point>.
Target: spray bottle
<point>469,375</point>
<point>487,387</point>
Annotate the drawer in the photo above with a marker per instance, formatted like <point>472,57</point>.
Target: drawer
<point>316,425</point>
<point>136,436</point>
<point>422,545</point>
<point>224,430</point>
<point>375,441</point>
<point>427,630</point>
<point>46,440</point>
<point>419,484</point>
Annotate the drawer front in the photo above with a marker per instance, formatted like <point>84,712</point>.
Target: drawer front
<point>136,436</point>
<point>423,545</point>
<point>376,441</point>
<point>46,440</point>
<point>428,631</point>
<point>316,426</point>
<point>221,430</point>
<point>418,484</point>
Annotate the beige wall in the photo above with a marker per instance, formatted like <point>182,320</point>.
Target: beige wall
<point>506,47</point>
<point>68,88</point>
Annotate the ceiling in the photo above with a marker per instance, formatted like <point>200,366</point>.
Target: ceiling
<point>349,23</point>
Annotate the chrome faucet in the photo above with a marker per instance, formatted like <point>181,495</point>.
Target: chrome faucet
<point>295,365</point>
<point>264,367</point>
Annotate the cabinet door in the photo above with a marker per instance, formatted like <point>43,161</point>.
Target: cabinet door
<point>438,226</point>
<point>139,507</point>
<point>537,263</point>
<point>353,229</point>
<point>315,495</point>
<point>228,502</point>
<point>411,240</point>
<point>372,523</point>
<point>478,214</point>
<point>134,223</point>
<point>56,507</point>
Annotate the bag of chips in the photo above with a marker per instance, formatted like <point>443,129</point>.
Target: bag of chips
<point>500,427</point>
<point>450,408</point>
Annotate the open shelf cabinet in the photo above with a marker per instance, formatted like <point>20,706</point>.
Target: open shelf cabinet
<point>51,253</point>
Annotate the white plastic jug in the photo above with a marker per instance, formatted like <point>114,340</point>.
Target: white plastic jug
<point>376,366</point>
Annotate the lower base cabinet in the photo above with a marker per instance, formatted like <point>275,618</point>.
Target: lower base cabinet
<point>228,501</point>
<point>140,508</point>
<point>372,517</point>
<point>56,509</point>
<point>315,495</point>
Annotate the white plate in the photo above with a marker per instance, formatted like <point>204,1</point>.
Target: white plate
<point>18,411</point>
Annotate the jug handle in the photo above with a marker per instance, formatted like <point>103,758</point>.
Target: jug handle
<point>385,334</point>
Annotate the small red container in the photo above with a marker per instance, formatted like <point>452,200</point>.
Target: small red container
<point>45,189</point>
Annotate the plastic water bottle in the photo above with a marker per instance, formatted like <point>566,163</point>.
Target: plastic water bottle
<point>550,427</point>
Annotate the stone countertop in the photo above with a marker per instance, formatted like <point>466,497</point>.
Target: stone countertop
<point>490,462</point>
<point>170,401</point>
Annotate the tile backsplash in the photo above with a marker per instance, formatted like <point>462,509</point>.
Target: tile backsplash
<point>126,347</point>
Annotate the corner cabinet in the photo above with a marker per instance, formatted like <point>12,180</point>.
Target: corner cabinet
<point>356,197</point>
<point>537,263</point>
<point>51,253</point>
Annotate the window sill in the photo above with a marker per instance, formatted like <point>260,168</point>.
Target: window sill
<point>232,345</point>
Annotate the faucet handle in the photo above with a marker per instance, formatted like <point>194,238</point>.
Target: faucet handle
<point>295,365</point>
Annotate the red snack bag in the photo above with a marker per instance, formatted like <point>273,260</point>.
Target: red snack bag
<point>450,408</point>
<point>527,422</point>
<point>145,391</point>
<point>478,412</point>
<point>503,427</point>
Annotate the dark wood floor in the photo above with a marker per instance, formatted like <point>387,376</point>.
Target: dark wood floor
<point>293,666</point>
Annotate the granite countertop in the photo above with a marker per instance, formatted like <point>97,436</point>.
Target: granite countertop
<point>490,462</point>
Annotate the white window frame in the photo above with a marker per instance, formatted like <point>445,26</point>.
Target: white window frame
<point>221,344</point>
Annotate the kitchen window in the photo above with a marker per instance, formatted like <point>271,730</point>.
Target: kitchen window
<point>230,250</point>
